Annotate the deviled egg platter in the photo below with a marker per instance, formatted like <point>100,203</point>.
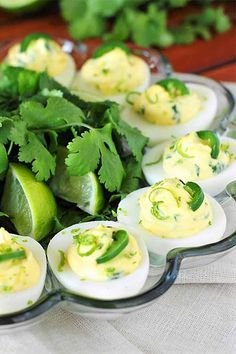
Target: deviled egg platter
<point>99,259</point>
<point>173,214</point>
<point>23,269</point>
<point>112,72</point>
<point>201,156</point>
<point>170,108</point>
<point>39,52</point>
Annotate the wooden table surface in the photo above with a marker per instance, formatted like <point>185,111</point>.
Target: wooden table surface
<point>215,58</point>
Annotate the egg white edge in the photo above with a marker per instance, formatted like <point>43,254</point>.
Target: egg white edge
<point>159,133</point>
<point>212,186</point>
<point>66,77</point>
<point>16,301</point>
<point>122,288</point>
<point>129,206</point>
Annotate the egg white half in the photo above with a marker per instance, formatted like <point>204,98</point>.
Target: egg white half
<point>128,213</point>
<point>19,300</point>
<point>67,75</point>
<point>123,287</point>
<point>213,186</point>
<point>80,84</point>
<point>159,133</point>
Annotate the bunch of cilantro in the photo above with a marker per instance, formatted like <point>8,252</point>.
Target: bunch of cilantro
<point>37,115</point>
<point>145,22</point>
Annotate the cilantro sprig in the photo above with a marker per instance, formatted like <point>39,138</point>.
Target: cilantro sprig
<point>46,114</point>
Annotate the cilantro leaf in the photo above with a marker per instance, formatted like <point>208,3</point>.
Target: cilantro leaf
<point>133,176</point>
<point>43,163</point>
<point>136,141</point>
<point>18,132</point>
<point>92,147</point>
<point>5,127</point>
<point>55,115</point>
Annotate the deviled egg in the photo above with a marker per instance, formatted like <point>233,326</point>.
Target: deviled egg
<point>22,272</point>
<point>201,156</point>
<point>170,107</point>
<point>172,214</point>
<point>99,259</point>
<point>112,72</point>
<point>39,52</point>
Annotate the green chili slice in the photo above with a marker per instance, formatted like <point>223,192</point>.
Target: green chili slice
<point>120,241</point>
<point>86,244</point>
<point>18,254</point>
<point>196,193</point>
<point>212,140</point>
<point>174,86</point>
<point>109,46</point>
<point>32,37</point>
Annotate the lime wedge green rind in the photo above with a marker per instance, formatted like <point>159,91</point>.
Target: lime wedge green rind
<point>85,191</point>
<point>29,203</point>
<point>22,6</point>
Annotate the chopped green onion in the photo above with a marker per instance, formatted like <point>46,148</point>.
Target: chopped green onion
<point>129,95</point>
<point>32,37</point>
<point>175,87</point>
<point>212,140</point>
<point>18,254</point>
<point>174,195</point>
<point>179,149</point>
<point>155,210</point>
<point>120,241</point>
<point>196,193</point>
<point>109,46</point>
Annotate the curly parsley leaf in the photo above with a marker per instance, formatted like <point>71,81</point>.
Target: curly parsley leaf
<point>92,147</point>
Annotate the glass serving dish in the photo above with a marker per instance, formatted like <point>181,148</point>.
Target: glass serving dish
<point>163,272</point>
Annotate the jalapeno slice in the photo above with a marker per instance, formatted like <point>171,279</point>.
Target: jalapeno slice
<point>196,193</point>
<point>212,140</point>
<point>32,37</point>
<point>18,254</point>
<point>174,86</point>
<point>179,149</point>
<point>155,210</point>
<point>120,241</point>
<point>109,46</point>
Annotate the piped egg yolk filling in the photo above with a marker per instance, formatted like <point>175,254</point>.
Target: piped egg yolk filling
<point>189,158</point>
<point>165,211</point>
<point>20,273</point>
<point>114,72</point>
<point>158,106</point>
<point>41,55</point>
<point>91,244</point>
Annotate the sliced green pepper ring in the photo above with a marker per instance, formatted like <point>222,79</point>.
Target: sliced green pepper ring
<point>32,37</point>
<point>129,96</point>
<point>120,241</point>
<point>212,140</point>
<point>18,254</point>
<point>196,193</point>
<point>109,46</point>
<point>174,86</point>
<point>86,244</point>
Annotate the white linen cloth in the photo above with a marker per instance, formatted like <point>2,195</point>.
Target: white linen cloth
<point>198,316</point>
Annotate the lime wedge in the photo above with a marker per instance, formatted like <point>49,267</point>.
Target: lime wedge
<point>85,191</point>
<point>29,203</point>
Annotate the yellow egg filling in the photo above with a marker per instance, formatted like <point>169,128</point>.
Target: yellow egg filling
<point>16,274</point>
<point>89,245</point>
<point>165,211</point>
<point>41,55</point>
<point>157,106</point>
<point>189,158</point>
<point>114,72</point>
